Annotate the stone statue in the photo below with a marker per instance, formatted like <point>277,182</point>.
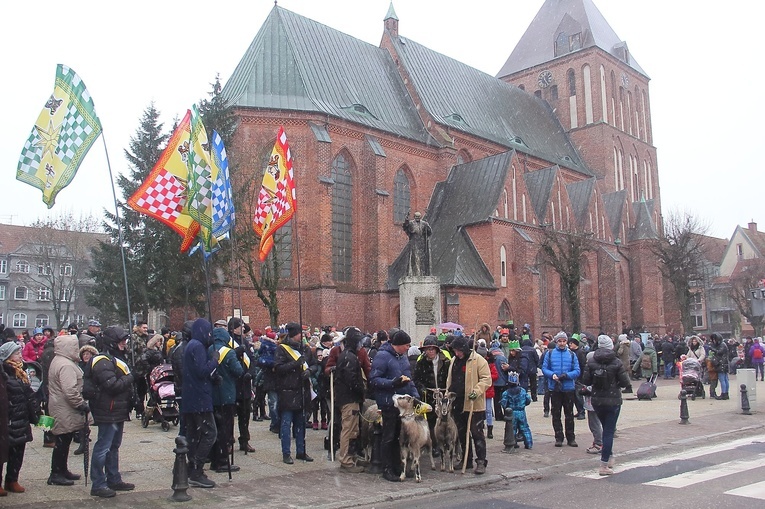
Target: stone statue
<point>419,233</point>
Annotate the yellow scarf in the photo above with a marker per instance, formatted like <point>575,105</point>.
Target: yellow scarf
<point>18,367</point>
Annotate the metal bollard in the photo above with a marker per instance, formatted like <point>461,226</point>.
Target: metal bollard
<point>509,440</point>
<point>683,397</point>
<point>180,471</point>
<point>745,408</point>
<point>375,463</point>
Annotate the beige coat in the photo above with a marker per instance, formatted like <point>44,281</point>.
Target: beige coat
<point>65,386</point>
<point>477,378</point>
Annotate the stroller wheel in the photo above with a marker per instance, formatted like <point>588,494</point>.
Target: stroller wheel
<point>145,420</point>
<point>175,422</point>
<point>165,426</point>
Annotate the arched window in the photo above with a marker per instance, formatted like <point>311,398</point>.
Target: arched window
<point>42,320</point>
<point>20,320</point>
<point>504,313</point>
<point>587,79</point>
<point>504,203</point>
<point>603,98</point>
<point>20,293</point>
<point>571,83</point>
<point>283,248</point>
<point>22,266</point>
<point>503,266</point>
<point>401,196</point>
<point>342,208</point>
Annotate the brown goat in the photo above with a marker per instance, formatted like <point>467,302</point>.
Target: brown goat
<point>415,435</point>
<point>445,430</point>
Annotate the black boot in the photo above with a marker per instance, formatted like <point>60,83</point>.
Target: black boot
<point>81,448</point>
<point>489,431</point>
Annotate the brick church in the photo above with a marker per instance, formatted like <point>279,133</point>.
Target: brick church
<point>560,137</point>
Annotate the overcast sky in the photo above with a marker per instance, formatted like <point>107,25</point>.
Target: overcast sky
<point>702,58</point>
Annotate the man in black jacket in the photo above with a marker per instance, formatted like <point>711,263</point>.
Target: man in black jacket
<point>294,391</point>
<point>113,383</point>
<point>349,394</point>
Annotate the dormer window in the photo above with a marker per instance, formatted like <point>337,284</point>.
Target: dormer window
<point>360,109</point>
<point>456,118</point>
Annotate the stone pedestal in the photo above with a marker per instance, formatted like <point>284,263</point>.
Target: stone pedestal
<point>420,301</point>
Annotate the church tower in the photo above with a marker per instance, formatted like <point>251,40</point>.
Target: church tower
<point>572,58</point>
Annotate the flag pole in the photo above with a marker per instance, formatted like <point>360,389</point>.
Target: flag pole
<point>119,231</point>
<point>297,250</point>
<point>208,291</point>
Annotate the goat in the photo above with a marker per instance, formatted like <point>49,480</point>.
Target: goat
<point>445,430</point>
<point>370,414</point>
<point>415,434</point>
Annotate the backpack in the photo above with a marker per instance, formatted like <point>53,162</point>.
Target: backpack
<point>757,353</point>
<point>645,361</point>
<point>600,379</point>
<point>90,388</point>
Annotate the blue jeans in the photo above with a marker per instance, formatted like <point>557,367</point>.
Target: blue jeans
<point>608,416</point>
<point>723,379</point>
<point>106,456</point>
<point>667,370</point>
<point>290,418</point>
<point>273,400</point>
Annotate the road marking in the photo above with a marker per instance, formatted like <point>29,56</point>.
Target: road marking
<point>708,473</point>
<point>756,490</point>
<point>660,460</point>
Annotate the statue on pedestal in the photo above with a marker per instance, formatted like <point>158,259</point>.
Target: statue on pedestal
<point>419,233</point>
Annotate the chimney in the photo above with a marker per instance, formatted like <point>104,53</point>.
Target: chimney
<point>752,226</point>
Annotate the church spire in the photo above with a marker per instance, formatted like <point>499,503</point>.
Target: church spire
<point>391,21</point>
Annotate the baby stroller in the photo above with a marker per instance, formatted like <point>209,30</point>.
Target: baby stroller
<point>162,406</point>
<point>690,378</point>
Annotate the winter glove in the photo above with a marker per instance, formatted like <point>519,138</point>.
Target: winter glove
<point>306,374</point>
<point>216,379</point>
<point>472,395</point>
<point>563,376</point>
<point>247,377</point>
<point>239,350</point>
<point>84,408</point>
<point>215,355</point>
<point>399,381</point>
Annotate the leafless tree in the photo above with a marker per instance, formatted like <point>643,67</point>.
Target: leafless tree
<point>748,276</point>
<point>680,253</point>
<point>61,247</point>
<point>563,250</point>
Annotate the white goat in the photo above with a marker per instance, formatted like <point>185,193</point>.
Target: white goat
<point>415,435</point>
<point>445,430</point>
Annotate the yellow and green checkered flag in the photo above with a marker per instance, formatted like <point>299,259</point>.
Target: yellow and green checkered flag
<point>64,132</point>
<point>202,175</point>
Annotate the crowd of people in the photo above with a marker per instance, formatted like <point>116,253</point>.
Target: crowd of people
<point>294,378</point>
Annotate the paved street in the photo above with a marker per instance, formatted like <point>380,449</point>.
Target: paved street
<point>647,432</point>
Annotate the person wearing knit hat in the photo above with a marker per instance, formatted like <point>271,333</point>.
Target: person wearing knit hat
<point>293,386</point>
<point>23,410</point>
<point>604,376</point>
<point>561,369</point>
<point>392,374</point>
<point>574,344</point>
<point>515,400</point>
<point>469,378</point>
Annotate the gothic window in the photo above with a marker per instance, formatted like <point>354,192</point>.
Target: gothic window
<point>401,196</point>
<point>283,248</point>
<point>571,83</point>
<point>575,42</point>
<point>504,313</point>
<point>504,202</point>
<point>544,310</point>
<point>341,219</point>
<point>587,79</point>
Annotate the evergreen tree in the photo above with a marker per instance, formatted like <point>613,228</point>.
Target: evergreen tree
<point>159,276</point>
